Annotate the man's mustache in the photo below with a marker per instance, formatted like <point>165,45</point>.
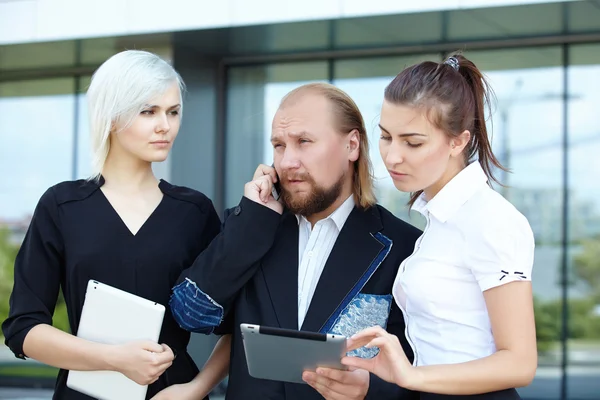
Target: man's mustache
<point>296,177</point>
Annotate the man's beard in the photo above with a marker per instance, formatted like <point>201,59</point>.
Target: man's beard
<point>317,200</point>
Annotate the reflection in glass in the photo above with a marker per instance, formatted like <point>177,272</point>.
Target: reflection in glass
<point>38,55</point>
<point>526,124</point>
<point>36,131</point>
<point>505,21</point>
<point>84,145</point>
<point>584,222</point>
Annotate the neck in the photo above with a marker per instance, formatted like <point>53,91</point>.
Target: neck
<point>127,172</point>
<point>345,193</point>
<point>451,172</point>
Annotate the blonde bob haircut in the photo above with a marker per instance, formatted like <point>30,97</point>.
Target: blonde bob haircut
<point>119,90</point>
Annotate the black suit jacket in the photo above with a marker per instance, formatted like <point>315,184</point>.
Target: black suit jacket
<point>251,269</point>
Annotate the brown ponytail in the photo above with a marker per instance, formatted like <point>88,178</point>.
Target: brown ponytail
<point>482,93</point>
<point>454,95</point>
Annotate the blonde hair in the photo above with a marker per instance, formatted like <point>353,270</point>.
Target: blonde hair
<point>347,118</point>
<point>119,90</point>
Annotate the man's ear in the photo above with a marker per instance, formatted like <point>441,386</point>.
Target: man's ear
<point>353,145</point>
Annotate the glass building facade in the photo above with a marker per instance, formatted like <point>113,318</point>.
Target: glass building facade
<point>542,60</point>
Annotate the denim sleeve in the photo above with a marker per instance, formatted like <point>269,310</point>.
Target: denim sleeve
<point>206,291</point>
<point>194,310</point>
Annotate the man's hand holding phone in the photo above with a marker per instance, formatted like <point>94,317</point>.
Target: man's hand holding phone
<point>260,189</point>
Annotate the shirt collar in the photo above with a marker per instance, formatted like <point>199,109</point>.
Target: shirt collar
<point>339,216</point>
<point>454,194</point>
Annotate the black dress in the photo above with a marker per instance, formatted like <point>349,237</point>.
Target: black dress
<point>76,235</point>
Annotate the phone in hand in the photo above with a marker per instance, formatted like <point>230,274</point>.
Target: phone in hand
<point>276,186</point>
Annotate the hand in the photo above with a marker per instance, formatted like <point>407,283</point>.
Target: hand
<point>260,188</point>
<point>334,384</point>
<point>391,364</point>
<point>143,362</point>
<point>184,391</point>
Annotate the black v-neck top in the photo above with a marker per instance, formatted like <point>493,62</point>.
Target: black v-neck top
<point>76,235</point>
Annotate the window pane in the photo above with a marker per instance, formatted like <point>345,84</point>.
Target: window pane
<point>36,131</point>
<point>38,55</point>
<point>505,22</point>
<point>584,223</point>
<point>386,30</point>
<point>291,36</point>
<point>97,50</point>
<point>584,16</point>
<point>527,138</point>
<point>84,149</point>
<point>253,97</point>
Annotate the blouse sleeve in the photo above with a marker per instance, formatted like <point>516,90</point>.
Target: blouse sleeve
<point>37,275</point>
<point>502,251</point>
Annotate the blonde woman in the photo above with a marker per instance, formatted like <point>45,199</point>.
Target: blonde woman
<point>122,226</point>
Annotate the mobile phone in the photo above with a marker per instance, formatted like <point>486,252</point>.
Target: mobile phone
<point>276,186</point>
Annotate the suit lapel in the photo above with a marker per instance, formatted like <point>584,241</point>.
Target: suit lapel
<point>280,269</point>
<point>351,256</point>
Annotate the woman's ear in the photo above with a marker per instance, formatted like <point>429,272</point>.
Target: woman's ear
<point>459,143</point>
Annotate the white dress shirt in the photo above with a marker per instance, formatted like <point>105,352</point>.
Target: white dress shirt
<point>314,247</point>
<point>474,240</point>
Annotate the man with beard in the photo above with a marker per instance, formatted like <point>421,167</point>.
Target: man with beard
<point>322,259</point>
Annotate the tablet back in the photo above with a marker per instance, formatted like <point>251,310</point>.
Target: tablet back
<point>113,316</point>
<point>282,354</point>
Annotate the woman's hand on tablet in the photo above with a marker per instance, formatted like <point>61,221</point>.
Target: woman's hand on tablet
<point>390,364</point>
<point>143,362</point>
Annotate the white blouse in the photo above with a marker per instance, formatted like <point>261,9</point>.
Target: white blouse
<point>474,240</point>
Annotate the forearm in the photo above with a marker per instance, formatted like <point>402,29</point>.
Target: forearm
<point>211,284</point>
<point>502,370</point>
<point>230,260</point>
<point>56,348</point>
<point>381,390</point>
<point>215,369</point>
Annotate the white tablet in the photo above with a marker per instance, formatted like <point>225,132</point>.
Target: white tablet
<point>113,316</point>
<point>283,354</point>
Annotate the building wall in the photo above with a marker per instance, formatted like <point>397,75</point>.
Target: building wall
<point>23,21</point>
<point>543,61</point>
